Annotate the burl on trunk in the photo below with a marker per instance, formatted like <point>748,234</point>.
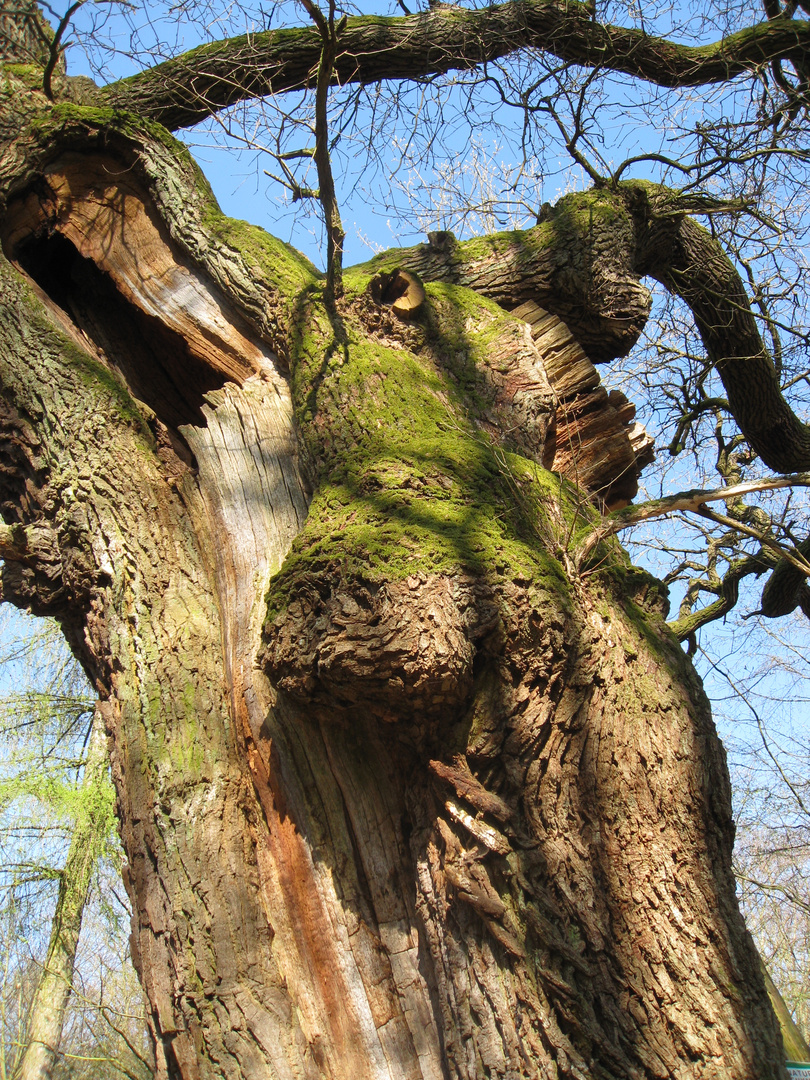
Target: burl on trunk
<point>405,792</point>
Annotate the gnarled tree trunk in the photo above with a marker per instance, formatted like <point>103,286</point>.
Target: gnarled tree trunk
<point>404,792</point>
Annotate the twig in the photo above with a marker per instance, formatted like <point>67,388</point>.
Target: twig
<point>694,501</point>
<point>326,185</point>
<point>55,50</point>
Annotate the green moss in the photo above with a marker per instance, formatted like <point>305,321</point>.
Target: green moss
<point>466,251</point>
<point>65,113</point>
<point>277,261</point>
<point>497,244</point>
<point>641,621</point>
<point>610,566</point>
<point>66,117</point>
<point>578,211</point>
<point>407,483</point>
<point>29,74</point>
<point>102,382</point>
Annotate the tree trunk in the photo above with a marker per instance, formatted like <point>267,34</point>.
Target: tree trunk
<point>404,793</point>
<point>47,1013</point>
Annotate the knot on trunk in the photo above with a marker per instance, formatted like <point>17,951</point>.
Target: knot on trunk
<point>403,651</point>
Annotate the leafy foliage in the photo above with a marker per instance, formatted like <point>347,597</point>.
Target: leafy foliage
<point>45,722</point>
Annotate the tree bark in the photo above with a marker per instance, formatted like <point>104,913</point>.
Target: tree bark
<point>402,792</point>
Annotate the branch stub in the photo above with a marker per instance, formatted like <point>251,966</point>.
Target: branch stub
<point>400,290</point>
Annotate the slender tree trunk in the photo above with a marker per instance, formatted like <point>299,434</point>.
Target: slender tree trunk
<point>404,792</point>
<point>47,1013</point>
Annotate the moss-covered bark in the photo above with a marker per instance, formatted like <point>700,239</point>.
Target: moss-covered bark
<point>402,793</point>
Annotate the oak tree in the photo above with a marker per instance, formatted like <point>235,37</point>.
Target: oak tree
<point>413,779</point>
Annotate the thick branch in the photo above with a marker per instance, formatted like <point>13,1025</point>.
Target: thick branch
<point>585,262</point>
<point>578,264</point>
<point>699,271</point>
<point>184,91</point>
<point>729,589</point>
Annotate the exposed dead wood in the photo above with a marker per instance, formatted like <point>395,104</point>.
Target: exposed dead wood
<point>468,787</point>
<point>485,834</point>
<point>400,290</point>
<point>599,445</point>
<point>95,202</point>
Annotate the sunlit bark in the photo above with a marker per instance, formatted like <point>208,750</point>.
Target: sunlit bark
<point>404,792</point>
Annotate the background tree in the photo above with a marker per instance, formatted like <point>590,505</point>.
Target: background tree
<point>469,815</point>
<point>56,803</point>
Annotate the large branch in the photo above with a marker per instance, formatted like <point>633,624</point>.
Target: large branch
<point>185,90</point>
<point>697,269</point>
<point>585,262</point>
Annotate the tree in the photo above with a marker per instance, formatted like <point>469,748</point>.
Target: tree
<point>771,814</point>
<point>47,1013</point>
<point>56,840</point>
<point>412,778</point>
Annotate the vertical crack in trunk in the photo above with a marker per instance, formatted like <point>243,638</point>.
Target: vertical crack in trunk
<point>113,283</point>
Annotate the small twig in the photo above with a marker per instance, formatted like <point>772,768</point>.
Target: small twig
<point>693,501</point>
<point>794,556</point>
<point>55,49</point>
<point>326,185</point>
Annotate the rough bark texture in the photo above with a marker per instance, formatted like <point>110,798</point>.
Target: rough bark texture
<point>585,263</point>
<point>402,794</point>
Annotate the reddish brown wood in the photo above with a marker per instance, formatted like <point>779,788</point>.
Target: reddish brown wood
<point>598,444</point>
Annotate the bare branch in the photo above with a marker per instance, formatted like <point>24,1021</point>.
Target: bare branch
<point>56,48</point>
<point>690,501</point>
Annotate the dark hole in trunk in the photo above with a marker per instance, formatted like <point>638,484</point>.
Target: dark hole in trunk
<point>156,363</point>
